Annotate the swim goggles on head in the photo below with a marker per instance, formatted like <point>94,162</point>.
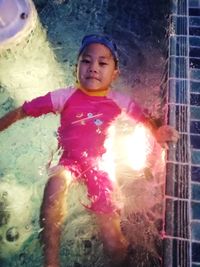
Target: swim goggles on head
<point>101,39</point>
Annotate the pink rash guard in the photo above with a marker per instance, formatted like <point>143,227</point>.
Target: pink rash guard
<point>84,121</point>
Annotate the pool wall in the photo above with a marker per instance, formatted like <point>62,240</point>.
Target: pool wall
<point>182,220</point>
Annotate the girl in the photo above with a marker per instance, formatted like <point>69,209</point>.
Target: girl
<point>86,111</point>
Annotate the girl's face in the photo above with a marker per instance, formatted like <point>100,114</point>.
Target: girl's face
<point>96,68</point>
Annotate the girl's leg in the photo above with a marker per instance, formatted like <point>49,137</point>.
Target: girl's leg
<point>115,244</point>
<point>53,213</point>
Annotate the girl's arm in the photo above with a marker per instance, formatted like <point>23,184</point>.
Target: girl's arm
<point>12,117</point>
<point>34,108</point>
<point>162,133</point>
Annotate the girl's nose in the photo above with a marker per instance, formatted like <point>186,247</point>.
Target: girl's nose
<point>93,67</point>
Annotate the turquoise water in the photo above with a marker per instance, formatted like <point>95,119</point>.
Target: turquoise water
<point>43,61</point>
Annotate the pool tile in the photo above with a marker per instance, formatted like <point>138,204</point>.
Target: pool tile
<point>182,248</point>
<point>194,41</point>
<point>194,3</point>
<point>176,219</point>
<point>194,31</point>
<point>181,118</point>
<point>182,149</point>
<point>195,113</point>
<point>170,174</point>
<point>177,180</point>
<point>194,21</point>
<point>196,191</point>
<point>181,26</point>
<point>172,68</point>
<point>194,52</point>
<point>194,74</point>
<point>181,46</point>
<point>178,46</point>
<point>195,173</point>
<point>195,127</point>
<point>181,215</point>
<point>172,46</point>
<point>195,210</point>
<point>182,7</point>
<point>195,63</point>
<point>195,226</point>
<point>172,114</point>
<point>169,222</point>
<point>178,67</point>
<point>195,99</point>
<point>195,86</point>
<point>172,249</point>
<point>177,117</point>
<point>179,7</point>
<point>195,155</point>
<point>179,153</point>
<point>178,91</point>
<point>194,12</point>
<point>195,141</point>
<point>168,255</point>
<point>195,252</point>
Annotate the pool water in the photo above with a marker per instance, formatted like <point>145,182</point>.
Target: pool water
<point>45,61</point>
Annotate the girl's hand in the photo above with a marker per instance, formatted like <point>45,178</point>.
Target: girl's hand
<point>165,134</point>
<point>11,117</point>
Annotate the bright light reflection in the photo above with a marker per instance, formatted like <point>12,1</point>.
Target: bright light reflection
<point>137,147</point>
<point>130,147</point>
<point>108,162</point>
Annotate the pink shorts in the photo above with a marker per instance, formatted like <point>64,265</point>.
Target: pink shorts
<point>99,186</point>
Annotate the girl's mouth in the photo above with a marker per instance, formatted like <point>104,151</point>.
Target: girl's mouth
<point>92,78</point>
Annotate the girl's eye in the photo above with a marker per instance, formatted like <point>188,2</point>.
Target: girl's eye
<point>103,63</point>
<point>87,61</point>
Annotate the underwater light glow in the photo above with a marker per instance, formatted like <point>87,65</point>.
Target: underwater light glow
<point>130,148</point>
<point>137,147</point>
<point>107,161</point>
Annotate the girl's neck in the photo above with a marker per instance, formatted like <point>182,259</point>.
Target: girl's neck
<point>95,93</point>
